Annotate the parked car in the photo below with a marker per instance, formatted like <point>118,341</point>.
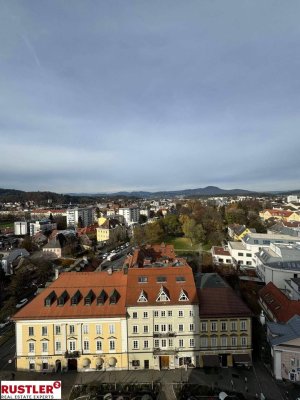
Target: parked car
<point>22,303</point>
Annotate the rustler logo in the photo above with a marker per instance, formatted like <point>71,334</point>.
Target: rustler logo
<point>30,390</point>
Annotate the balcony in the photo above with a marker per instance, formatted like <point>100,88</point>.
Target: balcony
<point>72,354</point>
<point>164,334</point>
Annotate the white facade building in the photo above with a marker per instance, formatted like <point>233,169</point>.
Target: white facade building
<point>130,214</point>
<point>278,263</point>
<point>84,215</point>
<point>20,228</point>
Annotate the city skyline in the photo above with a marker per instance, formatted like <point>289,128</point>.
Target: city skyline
<point>106,97</point>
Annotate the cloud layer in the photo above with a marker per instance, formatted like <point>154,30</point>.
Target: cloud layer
<point>108,96</point>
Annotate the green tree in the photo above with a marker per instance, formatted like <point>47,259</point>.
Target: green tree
<point>154,233</point>
<point>172,225</point>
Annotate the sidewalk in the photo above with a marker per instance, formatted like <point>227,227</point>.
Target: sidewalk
<point>225,379</point>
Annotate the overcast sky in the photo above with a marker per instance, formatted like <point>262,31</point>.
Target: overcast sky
<point>147,95</point>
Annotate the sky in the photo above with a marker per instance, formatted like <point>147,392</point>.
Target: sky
<point>103,96</point>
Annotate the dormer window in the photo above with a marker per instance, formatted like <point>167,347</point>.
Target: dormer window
<point>183,296</point>
<point>114,297</point>
<point>50,299</point>
<point>89,298</point>
<point>143,298</point>
<point>163,295</point>
<point>102,297</point>
<point>76,298</point>
<point>62,298</point>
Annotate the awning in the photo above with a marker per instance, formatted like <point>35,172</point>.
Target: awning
<point>242,359</point>
<point>211,360</point>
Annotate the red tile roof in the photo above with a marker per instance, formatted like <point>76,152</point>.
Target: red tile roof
<point>280,213</point>
<point>278,303</point>
<point>152,287</point>
<point>221,302</point>
<point>83,281</point>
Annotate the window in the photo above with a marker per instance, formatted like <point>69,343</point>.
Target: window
<point>142,279</point>
<point>170,342</point>
<point>134,315</point>
<point>223,326</point>
<point>44,331</point>
<point>135,329</point>
<point>183,296</point>
<point>112,329</point>
<point>234,326</point>
<point>72,345</point>
<point>170,328</point>
<point>112,345</point>
<point>248,255</point>
<point>234,341</point>
<point>213,342</point>
<point>156,343</point>
<point>191,313</point>
<point>240,254</point>
<point>31,347</point>
<point>72,329</point>
<point>58,347</point>
<point>192,327</point>
<point>248,263</point>
<point>162,295</point>
<point>223,341</point>
<point>31,365</point>
<point>155,313</point>
<point>243,325</point>
<point>146,344</point>
<point>143,298</point>
<point>203,326</point>
<point>180,327</point>
<point>135,363</point>
<point>163,328</point>
<point>44,347</point>
<point>180,313</point>
<point>45,365</point>
<point>86,345</point>
<point>244,341</point>
<point>156,328</point>
<point>57,330</point>
<point>98,345</point>
<point>85,329</point>
<point>203,342</point>
<point>181,344</point>
<point>213,326</point>
<point>192,342</point>
<point>98,329</point>
<point>180,279</point>
<point>170,313</point>
<point>30,331</point>
<point>145,314</point>
<point>163,343</point>
<point>146,329</point>
<point>163,314</point>
<point>161,279</point>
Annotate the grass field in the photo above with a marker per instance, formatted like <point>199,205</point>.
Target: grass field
<point>182,244</point>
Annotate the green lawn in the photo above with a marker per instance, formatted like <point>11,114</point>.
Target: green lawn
<point>4,225</point>
<point>182,243</point>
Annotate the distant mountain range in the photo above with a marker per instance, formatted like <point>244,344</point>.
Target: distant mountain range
<point>12,195</point>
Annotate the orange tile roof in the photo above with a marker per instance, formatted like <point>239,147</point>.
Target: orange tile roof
<point>152,287</point>
<point>281,213</point>
<point>84,281</point>
<point>278,303</point>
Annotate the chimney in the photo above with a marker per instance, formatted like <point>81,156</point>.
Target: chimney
<point>56,273</point>
<point>109,271</point>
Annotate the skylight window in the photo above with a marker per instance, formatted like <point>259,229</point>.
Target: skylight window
<point>183,296</point>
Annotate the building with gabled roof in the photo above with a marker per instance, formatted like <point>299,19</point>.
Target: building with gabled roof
<point>277,306</point>
<point>162,307</point>
<point>76,323</point>
<point>225,324</point>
